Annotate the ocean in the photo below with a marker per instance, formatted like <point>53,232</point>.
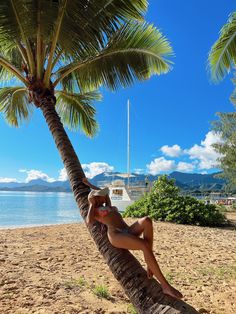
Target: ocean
<point>26,209</point>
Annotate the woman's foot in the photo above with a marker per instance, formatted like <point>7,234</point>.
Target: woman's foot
<point>171,291</point>
<point>149,273</point>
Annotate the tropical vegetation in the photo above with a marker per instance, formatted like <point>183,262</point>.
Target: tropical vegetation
<point>165,203</point>
<point>222,58</point>
<point>226,125</point>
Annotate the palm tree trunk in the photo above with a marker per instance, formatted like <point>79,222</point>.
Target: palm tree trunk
<point>145,294</point>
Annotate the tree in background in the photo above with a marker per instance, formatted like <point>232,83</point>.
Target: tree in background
<point>226,125</point>
<point>165,203</point>
<point>222,58</point>
<point>59,52</point>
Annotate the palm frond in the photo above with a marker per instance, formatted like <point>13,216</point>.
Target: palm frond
<point>76,110</point>
<point>124,9</point>
<point>16,28</point>
<point>8,70</point>
<point>90,23</point>
<point>233,95</point>
<point>222,56</point>
<point>19,25</point>
<point>79,28</point>
<point>70,83</point>
<point>58,25</point>
<point>136,51</point>
<point>14,105</point>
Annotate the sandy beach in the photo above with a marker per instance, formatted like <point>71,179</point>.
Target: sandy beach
<point>57,269</point>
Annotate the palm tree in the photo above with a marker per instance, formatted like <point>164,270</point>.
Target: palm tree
<point>60,52</point>
<point>222,56</point>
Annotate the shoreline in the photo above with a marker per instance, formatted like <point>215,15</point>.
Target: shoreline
<point>230,215</point>
<point>57,269</point>
<point>16,227</point>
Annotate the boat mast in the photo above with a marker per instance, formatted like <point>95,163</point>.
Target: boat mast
<point>128,140</point>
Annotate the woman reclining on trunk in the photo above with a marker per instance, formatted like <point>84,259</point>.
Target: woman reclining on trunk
<point>126,237</point>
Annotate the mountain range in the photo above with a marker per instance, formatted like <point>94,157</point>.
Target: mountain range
<point>186,181</point>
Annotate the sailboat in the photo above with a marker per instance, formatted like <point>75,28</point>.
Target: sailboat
<point>121,189</point>
<point>118,188</point>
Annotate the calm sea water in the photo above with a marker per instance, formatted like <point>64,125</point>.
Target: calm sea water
<point>24,209</point>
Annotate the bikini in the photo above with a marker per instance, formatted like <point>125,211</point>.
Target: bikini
<point>103,211</point>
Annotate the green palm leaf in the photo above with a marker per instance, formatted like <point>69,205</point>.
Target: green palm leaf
<point>96,21</point>
<point>233,95</point>
<point>222,56</point>
<point>76,110</point>
<point>14,104</point>
<point>14,59</point>
<point>83,25</point>
<point>88,43</point>
<point>136,51</point>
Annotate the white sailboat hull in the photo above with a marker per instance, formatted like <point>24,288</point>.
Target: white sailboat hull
<point>119,194</point>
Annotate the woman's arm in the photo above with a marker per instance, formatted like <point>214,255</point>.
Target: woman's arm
<point>86,182</point>
<point>90,216</point>
<point>108,200</point>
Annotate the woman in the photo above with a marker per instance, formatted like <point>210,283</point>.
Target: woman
<point>126,237</point>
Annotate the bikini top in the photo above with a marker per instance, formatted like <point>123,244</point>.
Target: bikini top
<point>103,211</point>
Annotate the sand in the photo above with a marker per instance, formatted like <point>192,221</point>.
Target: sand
<point>57,269</point>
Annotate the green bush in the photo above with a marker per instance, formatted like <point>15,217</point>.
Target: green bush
<point>165,203</point>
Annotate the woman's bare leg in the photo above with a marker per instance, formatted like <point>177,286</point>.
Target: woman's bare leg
<point>144,225</point>
<point>131,242</point>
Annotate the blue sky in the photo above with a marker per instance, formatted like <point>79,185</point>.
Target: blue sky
<point>170,115</point>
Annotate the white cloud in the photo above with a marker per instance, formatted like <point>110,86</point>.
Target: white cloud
<point>171,151</point>
<point>95,168</point>
<point>160,164</point>
<point>185,166</point>
<point>211,138</point>
<point>202,157</point>
<point>205,153</point>
<point>7,180</point>
<point>139,171</point>
<point>62,175</point>
<point>22,170</point>
<point>91,170</point>
<point>36,174</point>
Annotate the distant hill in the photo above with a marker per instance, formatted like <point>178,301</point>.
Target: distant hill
<point>37,188</point>
<point>186,181</point>
<point>198,181</point>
